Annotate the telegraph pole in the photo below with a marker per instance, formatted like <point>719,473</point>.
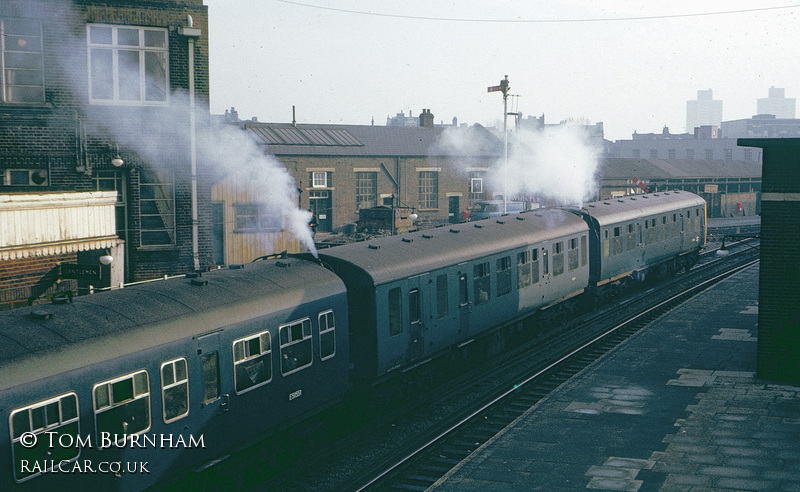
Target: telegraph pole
<point>504,87</point>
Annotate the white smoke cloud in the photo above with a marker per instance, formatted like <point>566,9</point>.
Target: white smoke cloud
<point>160,136</point>
<point>557,164</point>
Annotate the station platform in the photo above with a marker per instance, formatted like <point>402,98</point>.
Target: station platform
<point>675,408</point>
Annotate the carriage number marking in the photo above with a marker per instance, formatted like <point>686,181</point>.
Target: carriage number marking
<point>296,394</point>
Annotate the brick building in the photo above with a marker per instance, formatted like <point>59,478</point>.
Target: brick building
<point>341,169</point>
<point>779,277</point>
<point>98,96</point>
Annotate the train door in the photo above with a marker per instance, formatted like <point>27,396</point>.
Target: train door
<point>418,313</point>
<point>212,392</point>
<point>464,306</point>
<point>545,266</point>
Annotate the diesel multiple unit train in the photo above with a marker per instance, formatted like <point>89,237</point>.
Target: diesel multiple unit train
<point>125,388</point>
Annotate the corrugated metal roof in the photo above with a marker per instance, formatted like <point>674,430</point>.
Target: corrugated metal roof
<point>371,140</point>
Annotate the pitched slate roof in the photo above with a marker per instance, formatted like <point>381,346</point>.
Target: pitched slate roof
<point>621,168</point>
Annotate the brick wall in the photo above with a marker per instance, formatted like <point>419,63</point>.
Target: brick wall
<point>65,133</point>
<point>31,280</point>
<point>779,279</point>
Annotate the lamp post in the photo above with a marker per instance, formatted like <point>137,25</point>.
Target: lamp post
<point>503,87</point>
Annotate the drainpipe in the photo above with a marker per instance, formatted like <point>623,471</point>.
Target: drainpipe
<point>191,34</point>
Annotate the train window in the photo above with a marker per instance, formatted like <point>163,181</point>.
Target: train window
<point>252,361</point>
<point>327,335</point>
<point>573,258</point>
<point>175,389</point>
<point>545,264</point>
<point>630,239</point>
<point>395,312</point>
<point>534,266</point>
<point>524,269</point>
<point>57,416</point>
<point>122,405</point>
<point>584,258</point>
<point>296,348</point>
<point>503,276</point>
<point>414,306</point>
<point>664,220</point>
<point>441,296</point>
<point>211,389</point>
<point>558,258</point>
<point>482,276</point>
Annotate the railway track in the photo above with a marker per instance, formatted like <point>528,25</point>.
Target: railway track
<point>409,433</point>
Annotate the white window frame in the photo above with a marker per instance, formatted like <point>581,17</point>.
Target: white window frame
<point>175,383</point>
<point>319,179</point>
<point>95,47</point>
<point>16,47</point>
<point>49,427</point>
<point>264,350</point>
<point>111,404</point>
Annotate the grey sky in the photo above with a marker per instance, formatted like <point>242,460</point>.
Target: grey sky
<point>630,64</point>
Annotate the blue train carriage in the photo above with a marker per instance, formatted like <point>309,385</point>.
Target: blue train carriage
<point>415,296</point>
<point>125,388</point>
<point>641,235</point>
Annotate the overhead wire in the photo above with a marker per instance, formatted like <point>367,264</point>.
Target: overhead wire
<point>541,21</point>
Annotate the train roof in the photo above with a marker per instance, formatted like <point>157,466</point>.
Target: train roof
<point>394,257</point>
<point>106,325</point>
<point>617,210</point>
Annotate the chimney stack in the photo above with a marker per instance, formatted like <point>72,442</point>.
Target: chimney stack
<point>426,118</point>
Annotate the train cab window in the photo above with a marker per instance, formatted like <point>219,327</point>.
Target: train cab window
<point>211,388</point>
<point>573,255</point>
<point>327,335</point>
<point>57,416</point>
<point>174,390</point>
<point>524,269</point>
<point>414,306</point>
<point>252,362</point>
<point>296,348</point>
<point>558,258</point>
<point>482,281</point>
<point>441,296</point>
<point>395,312</point>
<point>122,405</point>
<point>503,276</point>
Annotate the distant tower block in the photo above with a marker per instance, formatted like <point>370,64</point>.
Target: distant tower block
<point>779,278</point>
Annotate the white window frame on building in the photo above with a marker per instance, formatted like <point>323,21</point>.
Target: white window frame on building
<point>366,189</point>
<point>22,61</point>
<point>128,65</point>
<point>428,188</point>
<point>319,179</point>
